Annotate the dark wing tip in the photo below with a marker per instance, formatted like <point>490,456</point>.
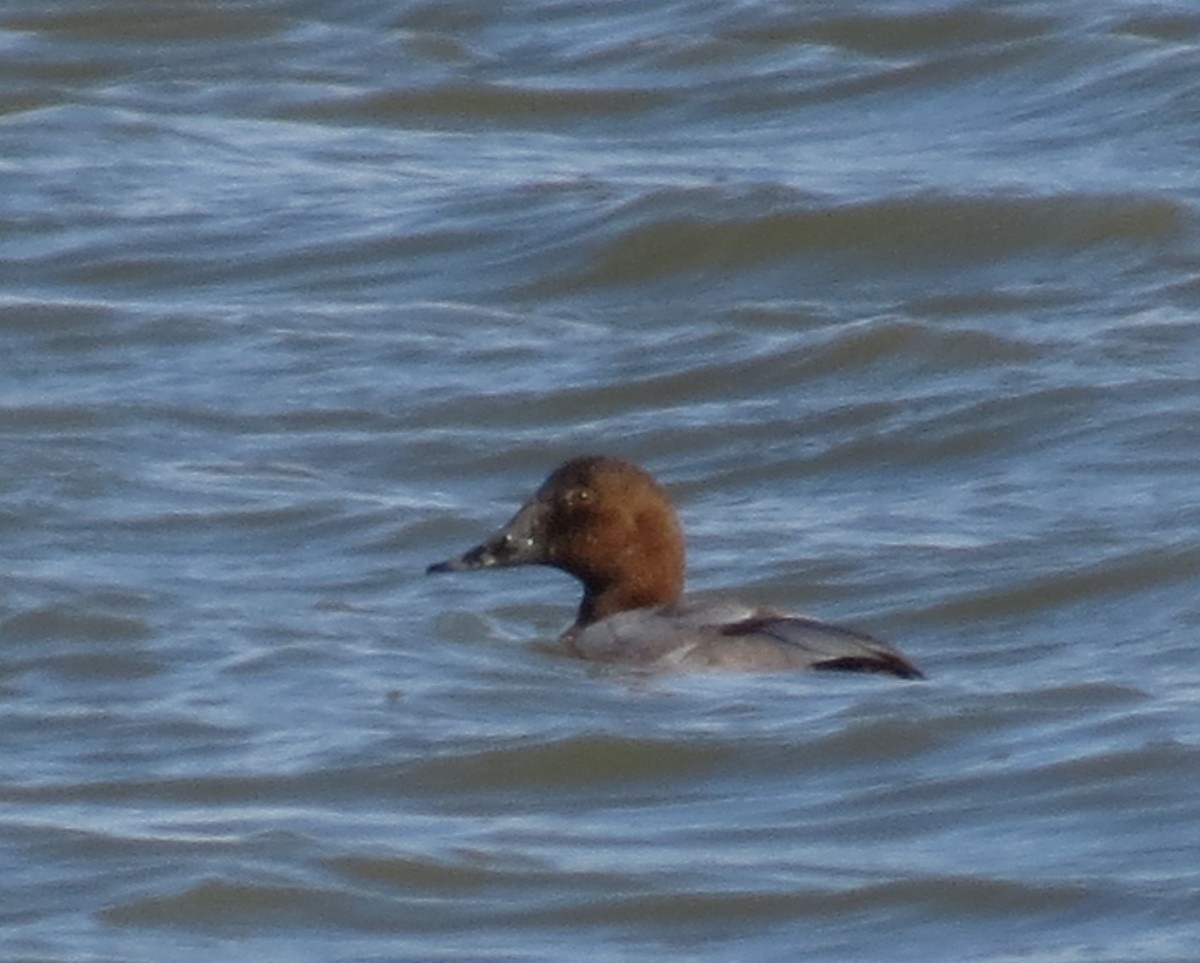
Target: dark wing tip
<point>884,662</point>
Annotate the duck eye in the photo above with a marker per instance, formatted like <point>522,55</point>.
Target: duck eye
<point>577,496</point>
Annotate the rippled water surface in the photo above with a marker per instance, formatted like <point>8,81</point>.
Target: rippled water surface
<point>900,301</point>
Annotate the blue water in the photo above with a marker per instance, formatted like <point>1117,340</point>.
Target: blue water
<point>899,300</point>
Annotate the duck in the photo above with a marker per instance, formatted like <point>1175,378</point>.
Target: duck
<point>611,525</point>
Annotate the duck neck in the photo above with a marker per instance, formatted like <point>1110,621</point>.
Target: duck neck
<point>599,603</point>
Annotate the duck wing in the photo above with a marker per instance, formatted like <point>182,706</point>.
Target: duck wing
<point>813,644</point>
<point>734,636</point>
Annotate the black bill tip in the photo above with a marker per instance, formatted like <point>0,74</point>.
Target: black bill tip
<point>481,556</point>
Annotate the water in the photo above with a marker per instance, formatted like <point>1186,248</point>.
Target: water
<point>900,300</point>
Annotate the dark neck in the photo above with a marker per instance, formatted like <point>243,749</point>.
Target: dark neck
<point>597,605</point>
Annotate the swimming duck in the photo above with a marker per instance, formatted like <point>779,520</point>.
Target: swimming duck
<point>611,525</point>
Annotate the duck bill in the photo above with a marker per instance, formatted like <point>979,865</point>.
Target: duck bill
<point>517,543</point>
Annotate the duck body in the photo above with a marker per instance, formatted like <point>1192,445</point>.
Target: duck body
<point>610,524</point>
<point>728,634</point>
